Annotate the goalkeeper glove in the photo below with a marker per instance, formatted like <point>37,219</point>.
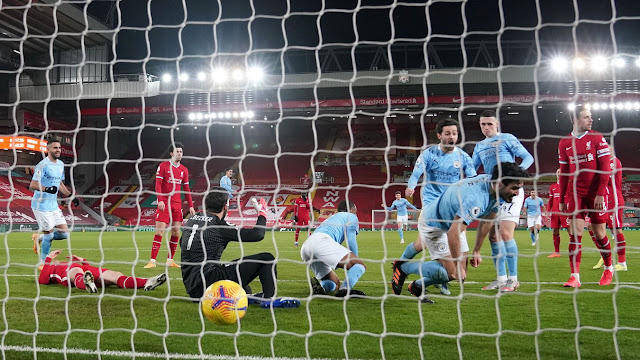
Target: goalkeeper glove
<point>51,189</point>
<point>260,206</point>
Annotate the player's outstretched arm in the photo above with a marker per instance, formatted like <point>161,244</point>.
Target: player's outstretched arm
<point>249,234</point>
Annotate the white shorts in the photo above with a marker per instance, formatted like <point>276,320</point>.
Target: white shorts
<point>511,211</point>
<point>534,220</point>
<point>437,242</point>
<point>404,219</point>
<point>322,253</point>
<point>47,220</point>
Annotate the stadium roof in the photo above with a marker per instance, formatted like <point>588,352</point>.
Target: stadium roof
<point>49,25</point>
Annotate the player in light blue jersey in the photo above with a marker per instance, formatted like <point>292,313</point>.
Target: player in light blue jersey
<point>47,181</point>
<point>535,207</point>
<point>501,147</point>
<point>441,166</point>
<point>402,216</point>
<point>225,181</point>
<point>443,221</point>
<point>323,252</point>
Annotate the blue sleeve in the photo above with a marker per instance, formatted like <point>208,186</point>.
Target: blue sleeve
<point>418,170</point>
<point>469,211</point>
<point>476,158</point>
<point>352,231</point>
<point>410,205</point>
<point>469,168</point>
<point>520,151</point>
<point>393,205</point>
<point>37,173</point>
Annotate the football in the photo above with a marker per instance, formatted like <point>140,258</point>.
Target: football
<point>224,302</point>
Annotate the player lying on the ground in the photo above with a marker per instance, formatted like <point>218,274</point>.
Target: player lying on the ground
<point>323,252</point>
<point>402,217</point>
<point>443,221</point>
<point>79,273</point>
<point>47,181</point>
<point>203,241</point>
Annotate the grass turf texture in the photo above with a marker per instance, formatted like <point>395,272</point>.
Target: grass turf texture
<point>542,318</point>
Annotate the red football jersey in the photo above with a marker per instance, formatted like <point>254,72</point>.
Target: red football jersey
<point>579,156</point>
<point>554,198</point>
<point>616,168</point>
<point>55,273</point>
<point>169,181</point>
<point>302,207</point>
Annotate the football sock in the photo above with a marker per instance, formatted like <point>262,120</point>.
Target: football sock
<point>575,254</point>
<point>328,285</point>
<point>353,275</point>
<point>409,252</point>
<point>297,234</point>
<point>511,251</point>
<point>605,250</point>
<point>46,246</point>
<point>128,282</point>
<point>556,242</point>
<point>432,273</point>
<point>157,242</point>
<point>173,245</point>
<point>401,233</point>
<point>57,235</point>
<point>78,281</point>
<point>498,253</point>
<point>621,247</point>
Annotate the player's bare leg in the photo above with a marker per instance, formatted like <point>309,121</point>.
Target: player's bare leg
<point>157,243</point>
<point>173,243</point>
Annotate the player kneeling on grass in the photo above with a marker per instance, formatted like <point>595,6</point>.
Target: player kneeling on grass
<point>323,252</point>
<point>81,274</point>
<point>443,221</point>
<point>203,241</point>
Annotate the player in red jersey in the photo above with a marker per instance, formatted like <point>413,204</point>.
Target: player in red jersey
<point>584,172</point>
<point>79,273</point>
<point>614,221</point>
<point>170,179</point>
<point>558,221</point>
<point>301,209</point>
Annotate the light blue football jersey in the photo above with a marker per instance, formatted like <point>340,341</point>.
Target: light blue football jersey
<point>225,183</point>
<point>401,206</point>
<point>440,169</point>
<point>534,206</point>
<point>500,148</point>
<point>470,199</point>
<point>340,227</point>
<point>47,174</point>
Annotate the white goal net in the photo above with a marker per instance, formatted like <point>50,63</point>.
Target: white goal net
<point>306,104</point>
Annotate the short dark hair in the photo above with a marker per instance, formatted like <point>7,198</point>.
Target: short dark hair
<point>508,172</point>
<point>216,199</point>
<point>345,205</point>
<point>227,169</point>
<point>174,146</point>
<point>398,192</point>
<point>576,112</point>
<point>488,113</point>
<point>446,122</point>
<point>53,141</point>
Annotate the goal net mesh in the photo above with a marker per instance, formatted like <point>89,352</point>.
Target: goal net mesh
<point>336,100</point>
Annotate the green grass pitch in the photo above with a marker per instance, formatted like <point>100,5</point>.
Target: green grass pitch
<point>542,319</point>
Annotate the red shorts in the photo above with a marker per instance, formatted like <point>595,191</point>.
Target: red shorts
<point>302,221</point>
<point>559,222</point>
<point>584,206</point>
<point>615,218</point>
<point>96,271</point>
<point>165,217</point>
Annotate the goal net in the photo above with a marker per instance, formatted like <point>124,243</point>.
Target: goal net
<point>283,101</point>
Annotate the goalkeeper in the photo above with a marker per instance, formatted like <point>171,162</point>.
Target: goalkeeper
<point>203,241</point>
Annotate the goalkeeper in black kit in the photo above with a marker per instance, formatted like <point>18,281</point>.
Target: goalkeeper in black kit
<point>203,241</point>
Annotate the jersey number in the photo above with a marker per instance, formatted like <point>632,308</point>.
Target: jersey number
<point>193,233</point>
